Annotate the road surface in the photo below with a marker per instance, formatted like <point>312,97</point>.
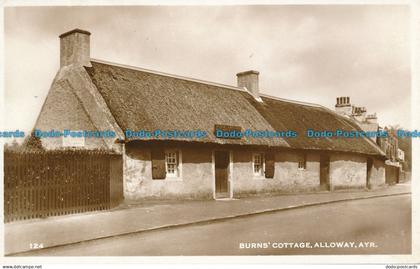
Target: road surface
<point>372,226</point>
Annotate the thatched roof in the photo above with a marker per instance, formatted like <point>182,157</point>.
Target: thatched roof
<point>286,114</point>
<point>144,100</point>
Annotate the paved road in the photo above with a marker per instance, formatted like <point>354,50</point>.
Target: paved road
<point>383,225</point>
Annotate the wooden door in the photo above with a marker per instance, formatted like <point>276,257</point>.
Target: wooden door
<point>221,159</point>
<point>324,173</point>
<point>369,164</point>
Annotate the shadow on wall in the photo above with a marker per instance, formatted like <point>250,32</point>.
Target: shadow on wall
<point>192,154</point>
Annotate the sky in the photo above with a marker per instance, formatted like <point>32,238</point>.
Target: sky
<point>305,53</point>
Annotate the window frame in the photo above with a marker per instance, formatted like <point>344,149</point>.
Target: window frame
<point>261,174</point>
<point>178,174</point>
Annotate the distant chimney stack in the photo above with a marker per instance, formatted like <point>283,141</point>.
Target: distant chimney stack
<point>343,101</point>
<point>249,80</point>
<point>343,106</point>
<point>372,118</point>
<point>359,113</point>
<point>75,48</point>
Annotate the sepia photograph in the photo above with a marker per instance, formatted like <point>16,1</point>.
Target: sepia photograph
<point>216,130</point>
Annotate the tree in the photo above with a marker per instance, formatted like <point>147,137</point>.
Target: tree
<point>33,142</point>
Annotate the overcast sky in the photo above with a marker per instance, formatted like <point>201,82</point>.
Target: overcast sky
<point>306,53</point>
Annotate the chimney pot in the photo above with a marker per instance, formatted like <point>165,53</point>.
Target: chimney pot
<point>75,48</point>
<point>343,106</point>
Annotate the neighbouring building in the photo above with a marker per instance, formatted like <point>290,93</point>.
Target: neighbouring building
<point>89,94</point>
<point>400,155</point>
<point>369,123</point>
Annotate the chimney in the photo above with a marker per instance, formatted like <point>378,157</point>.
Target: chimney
<point>249,80</point>
<point>75,48</point>
<point>359,113</point>
<point>372,118</point>
<point>363,112</point>
<point>343,106</point>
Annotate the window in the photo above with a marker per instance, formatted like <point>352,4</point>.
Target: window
<point>302,162</point>
<point>172,163</point>
<point>258,159</point>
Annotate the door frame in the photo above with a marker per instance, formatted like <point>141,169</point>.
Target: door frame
<point>230,172</point>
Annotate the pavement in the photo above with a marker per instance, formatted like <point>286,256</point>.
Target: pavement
<point>365,225</point>
<point>155,215</point>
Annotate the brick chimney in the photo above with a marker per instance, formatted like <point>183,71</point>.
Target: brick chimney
<point>249,80</point>
<point>343,106</point>
<point>372,118</point>
<point>75,48</point>
<point>359,113</point>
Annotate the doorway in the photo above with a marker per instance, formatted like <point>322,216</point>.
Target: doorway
<point>369,164</point>
<point>324,172</point>
<point>221,164</point>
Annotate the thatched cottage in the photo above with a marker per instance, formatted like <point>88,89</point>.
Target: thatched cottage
<point>89,94</point>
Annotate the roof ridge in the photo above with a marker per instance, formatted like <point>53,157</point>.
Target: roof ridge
<point>202,81</point>
<point>290,100</point>
<point>170,75</point>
